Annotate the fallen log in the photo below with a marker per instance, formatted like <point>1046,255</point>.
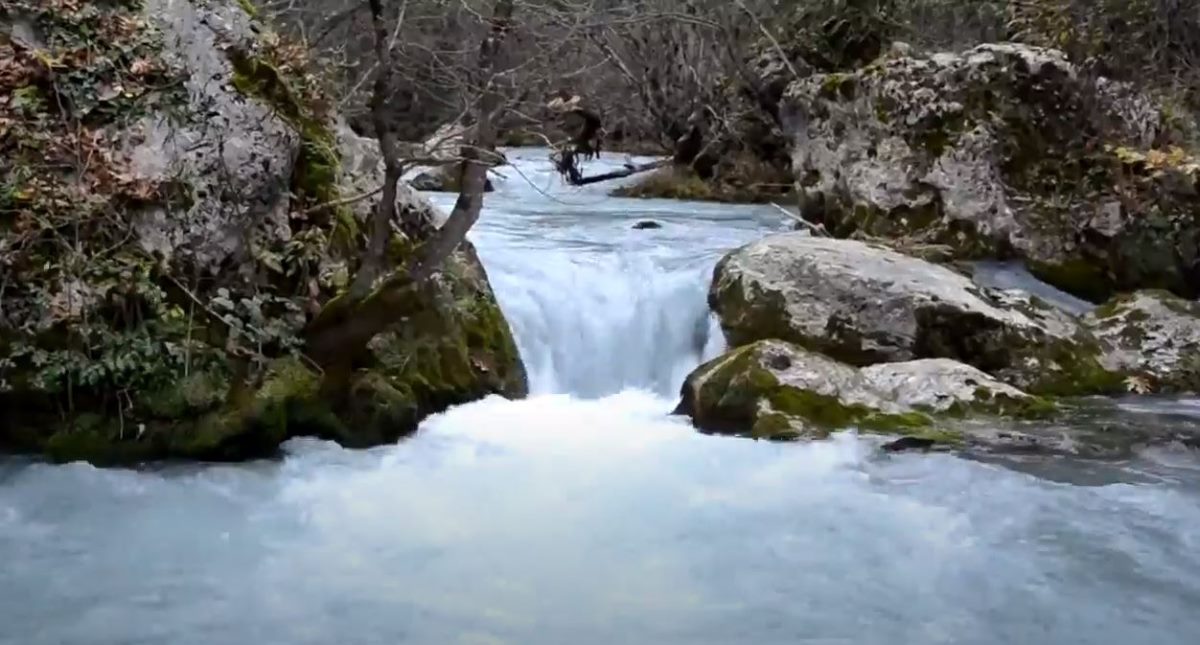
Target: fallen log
<point>629,169</point>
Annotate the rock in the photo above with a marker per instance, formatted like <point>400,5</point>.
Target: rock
<point>217,231</point>
<point>236,155</point>
<point>1002,151</point>
<point>646,224</point>
<point>1154,336</point>
<point>864,304</point>
<point>775,390</point>
<point>944,385</point>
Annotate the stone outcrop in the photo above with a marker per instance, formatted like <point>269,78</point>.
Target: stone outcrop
<point>864,304</point>
<point>1004,150</point>
<point>216,226</point>
<point>1155,337</point>
<point>779,391</point>
<point>775,390</point>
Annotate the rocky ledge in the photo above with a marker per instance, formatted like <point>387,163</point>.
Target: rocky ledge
<point>833,334</point>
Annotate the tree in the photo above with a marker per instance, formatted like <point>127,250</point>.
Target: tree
<point>485,84</point>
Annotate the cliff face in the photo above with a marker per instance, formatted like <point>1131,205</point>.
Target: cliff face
<point>167,175</point>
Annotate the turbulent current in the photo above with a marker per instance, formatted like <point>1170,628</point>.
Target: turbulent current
<point>585,514</point>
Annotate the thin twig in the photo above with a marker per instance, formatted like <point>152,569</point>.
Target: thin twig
<point>817,229</point>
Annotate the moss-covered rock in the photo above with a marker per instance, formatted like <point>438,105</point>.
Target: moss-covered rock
<point>865,304</point>
<point>1002,151</point>
<point>773,390</point>
<point>170,323</point>
<point>1155,337</point>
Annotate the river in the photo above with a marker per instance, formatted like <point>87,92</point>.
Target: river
<point>585,514</point>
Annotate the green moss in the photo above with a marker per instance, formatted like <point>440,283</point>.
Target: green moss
<point>668,183</point>
<point>1078,276</point>
<point>96,445</point>
<point>735,386</point>
<point>248,7</point>
<point>839,86</point>
<point>987,402</point>
<point>938,436</point>
<point>184,398</point>
<point>1081,374</point>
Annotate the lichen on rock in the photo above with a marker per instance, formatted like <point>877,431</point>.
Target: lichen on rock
<point>1004,150</point>
<point>776,390</point>
<point>1155,337</point>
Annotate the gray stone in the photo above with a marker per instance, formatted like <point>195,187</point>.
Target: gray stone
<point>1153,335</point>
<point>938,384</point>
<point>976,150</point>
<point>235,153</point>
<point>865,304</point>
<point>776,390</point>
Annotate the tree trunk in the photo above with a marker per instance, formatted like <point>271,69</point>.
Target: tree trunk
<point>340,333</point>
<point>385,213</point>
<point>477,154</point>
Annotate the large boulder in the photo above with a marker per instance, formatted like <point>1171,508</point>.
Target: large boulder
<point>205,190</point>
<point>1154,336</point>
<point>1003,151</point>
<point>863,304</point>
<point>775,390</point>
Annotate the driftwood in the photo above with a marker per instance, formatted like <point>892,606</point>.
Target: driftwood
<point>577,179</point>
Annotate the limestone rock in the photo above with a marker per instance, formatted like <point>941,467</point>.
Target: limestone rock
<point>775,390</point>
<point>941,385</point>
<point>219,226</point>
<point>865,304</point>
<point>1154,336</point>
<point>1004,150</point>
<point>236,154</point>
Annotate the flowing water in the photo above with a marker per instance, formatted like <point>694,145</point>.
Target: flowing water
<point>585,514</point>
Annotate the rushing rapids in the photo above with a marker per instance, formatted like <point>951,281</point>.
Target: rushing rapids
<point>587,514</point>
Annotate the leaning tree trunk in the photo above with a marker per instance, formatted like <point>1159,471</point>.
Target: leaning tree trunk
<point>340,333</point>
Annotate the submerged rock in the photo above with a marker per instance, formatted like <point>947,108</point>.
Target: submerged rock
<point>646,224</point>
<point>865,304</point>
<point>1003,150</point>
<point>1154,336</point>
<point>173,327</point>
<point>775,390</point>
